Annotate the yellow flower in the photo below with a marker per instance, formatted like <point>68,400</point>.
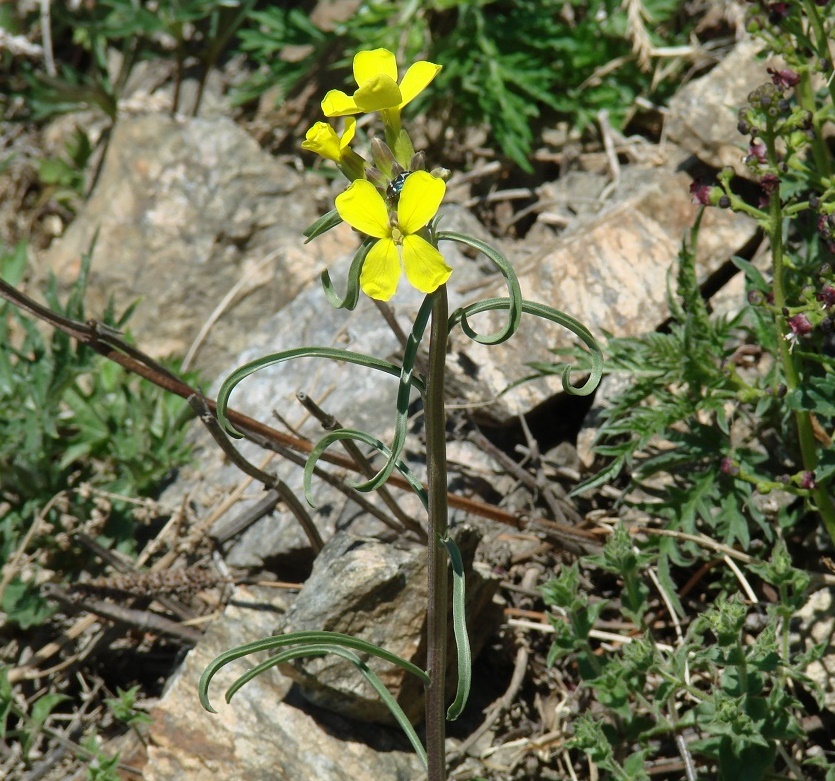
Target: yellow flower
<point>323,140</point>
<point>376,74</point>
<point>363,208</point>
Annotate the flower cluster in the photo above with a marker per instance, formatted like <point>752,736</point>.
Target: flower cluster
<point>395,199</point>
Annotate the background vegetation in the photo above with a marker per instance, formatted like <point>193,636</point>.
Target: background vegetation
<point>713,682</point>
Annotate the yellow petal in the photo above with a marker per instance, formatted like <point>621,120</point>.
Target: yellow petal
<point>425,267</point>
<point>322,140</point>
<point>374,62</point>
<point>377,93</point>
<point>337,104</point>
<point>419,201</point>
<point>381,270</point>
<point>417,79</point>
<point>349,132</point>
<point>363,208</point>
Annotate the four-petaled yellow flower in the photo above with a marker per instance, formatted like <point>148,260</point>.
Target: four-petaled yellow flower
<point>363,208</point>
<point>324,141</point>
<point>376,73</point>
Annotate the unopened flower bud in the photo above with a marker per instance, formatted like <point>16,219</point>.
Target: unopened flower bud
<point>827,296</point>
<point>418,162</point>
<point>729,467</point>
<point>441,173</point>
<point>807,481</point>
<point>784,79</point>
<point>782,390</point>
<point>383,157</point>
<point>755,297</point>
<point>800,324</point>
<point>377,178</point>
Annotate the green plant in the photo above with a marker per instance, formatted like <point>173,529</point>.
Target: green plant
<point>507,62</point>
<point>63,177</point>
<point>123,707</point>
<point>720,411</point>
<point>72,424</point>
<point>734,696</point>
<point>394,202</point>
<point>89,35</point>
<point>738,430</point>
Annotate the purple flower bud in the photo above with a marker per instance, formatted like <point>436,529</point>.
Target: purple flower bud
<point>782,390</point>
<point>757,153</point>
<point>827,296</point>
<point>808,481</point>
<point>777,12</point>
<point>784,79</point>
<point>728,467</point>
<point>700,192</point>
<point>770,183</point>
<point>800,324</point>
<point>755,297</point>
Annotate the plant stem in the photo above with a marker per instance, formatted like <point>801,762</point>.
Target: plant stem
<point>437,622</point>
<point>805,435</point>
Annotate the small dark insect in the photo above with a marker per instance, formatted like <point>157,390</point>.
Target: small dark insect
<point>396,185</point>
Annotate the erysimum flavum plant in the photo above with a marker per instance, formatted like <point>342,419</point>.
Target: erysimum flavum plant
<point>394,201</point>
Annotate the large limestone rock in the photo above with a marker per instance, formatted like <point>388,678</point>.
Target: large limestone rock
<point>609,271</point>
<point>267,732</point>
<point>184,212</point>
<point>378,592</point>
<point>702,117</point>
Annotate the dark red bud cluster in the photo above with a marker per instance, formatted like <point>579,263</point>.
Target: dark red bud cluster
<point>729,467</point>
<point>784,79</point>
<point>827,296</point>
<point>807,481</point>
<point>826,230</point>
<point>800,324</point>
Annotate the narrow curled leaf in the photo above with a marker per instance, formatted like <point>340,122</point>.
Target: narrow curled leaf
<point>294,638</point>
<point>352,294</point>
<point>242,372</point>
<point>459,627</point>
<point>407,381</point>
<point>346,433</point>
<point>555,316</point>
<point>322,225</point>
<point>514,291</point>
<point>322,649</point>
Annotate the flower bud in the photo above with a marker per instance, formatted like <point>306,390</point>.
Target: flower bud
<point>807,481</point>
<point>382,157</point>
<point>799,325</point>
<point>728,467</point>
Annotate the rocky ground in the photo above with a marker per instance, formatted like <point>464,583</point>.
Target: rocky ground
<point>202,223</point>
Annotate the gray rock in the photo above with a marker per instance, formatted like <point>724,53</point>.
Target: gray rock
<point>702,116</point>
<point>185,210</point>
<point>609,271</point>
<point>378,592</point>
<point>266,733</point>
<point>359,398</point>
